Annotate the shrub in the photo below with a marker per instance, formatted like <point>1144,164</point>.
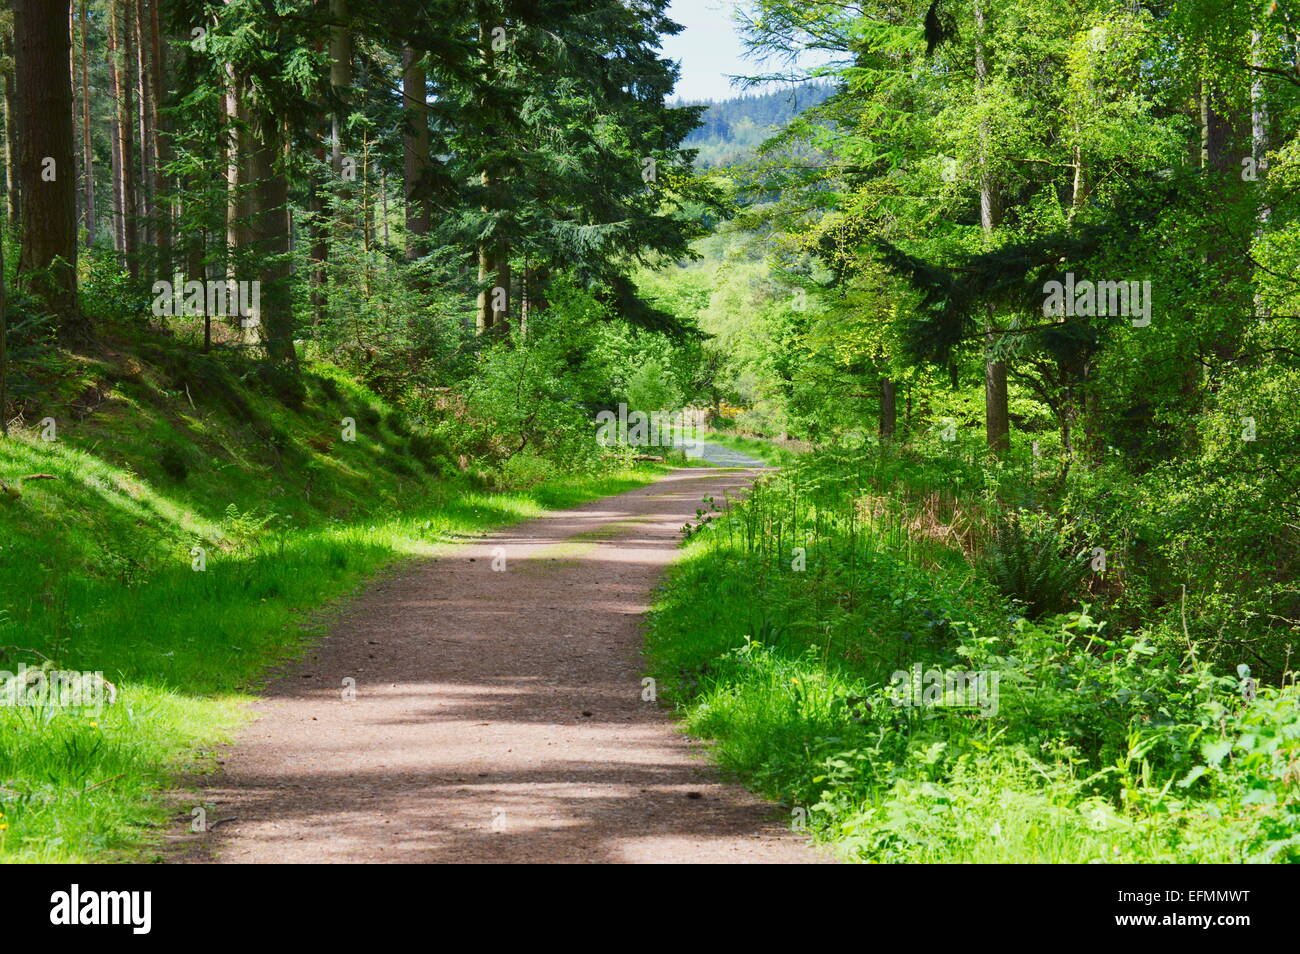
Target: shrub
<point>1029,561</point>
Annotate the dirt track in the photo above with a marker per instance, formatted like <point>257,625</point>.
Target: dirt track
<point>498,715</point>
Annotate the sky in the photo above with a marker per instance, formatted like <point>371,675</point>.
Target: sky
<point>708,49</point>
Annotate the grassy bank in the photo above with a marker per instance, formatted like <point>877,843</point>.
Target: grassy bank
<point>790,634</point>
<point>177,529</point>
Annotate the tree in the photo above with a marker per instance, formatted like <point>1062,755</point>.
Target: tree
<point>415,149</point>
<point>87,147</point>
<point>46,167</point>
<point>124,185</point>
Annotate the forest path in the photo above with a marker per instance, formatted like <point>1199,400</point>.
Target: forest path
<point>498,715</point>
<point>720,456</point>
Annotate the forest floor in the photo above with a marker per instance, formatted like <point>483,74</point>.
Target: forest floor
<point>500,715</point>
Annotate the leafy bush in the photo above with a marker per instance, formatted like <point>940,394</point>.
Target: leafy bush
<point>1030,562</point>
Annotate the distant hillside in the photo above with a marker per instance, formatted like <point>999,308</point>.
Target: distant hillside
<point>731,129</point>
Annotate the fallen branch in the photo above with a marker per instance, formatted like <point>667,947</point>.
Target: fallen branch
<point>18,649</point>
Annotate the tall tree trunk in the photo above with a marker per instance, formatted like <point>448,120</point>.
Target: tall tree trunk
<point>997,417</point>
<point>269,237</point>
<point>320,246</point>
<point>46,164</point>
<point>145,116</point>
<point>119,51</point>
<point>493,311</point>
<point>341,81</point>
<point>237,173</point>
<point>1227,142</point>
<point>415,151</point>
<point>367,215</point>
<point>13,186</point>
<point>87,146</point>
<point>160,124</point>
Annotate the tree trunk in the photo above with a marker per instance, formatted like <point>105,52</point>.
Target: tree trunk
<point>493,250</point>
<point>13,186</point>
<point>269,236</point>
<point>997,412</point>
<point>320,246</point>
<point>415,153</point>
<point>341,81</point>
<point>159,124</point>
<point>87,147</point>
<point>144,116</point>
<point>237,177</point>
<point>123,174</point>
<point>888,409</point>
<point>46,164</point>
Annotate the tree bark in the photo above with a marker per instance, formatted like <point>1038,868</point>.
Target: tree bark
<point>237,175</point>
<point>144,116</point>
<point>320,246</point>
<point>341,81</point>
<point>123,174</point>
<point>159,124</point>
<point>46,164</point>
<point>87,146</point>
<point>493,310</point>
<point>888,409</point>
<point>13,187</point>
<point>415,153</point>
<point>269,236</point>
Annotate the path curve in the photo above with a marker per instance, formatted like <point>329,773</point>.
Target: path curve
<point>720,456</point>
<point>498,715</point>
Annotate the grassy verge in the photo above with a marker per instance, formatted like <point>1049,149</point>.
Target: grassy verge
<point>790,634</point>
<point>178,534</point>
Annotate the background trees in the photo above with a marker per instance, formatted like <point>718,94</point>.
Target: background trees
<point>511,138</point>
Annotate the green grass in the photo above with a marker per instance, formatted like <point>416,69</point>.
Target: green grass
<point>97,573</point>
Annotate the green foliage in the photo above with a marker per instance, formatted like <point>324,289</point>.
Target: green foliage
<point>1029,561</point>
<point>1090,744</point>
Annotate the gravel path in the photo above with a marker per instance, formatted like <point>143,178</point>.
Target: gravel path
<point>498,715</point>
<point>720,456</point>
